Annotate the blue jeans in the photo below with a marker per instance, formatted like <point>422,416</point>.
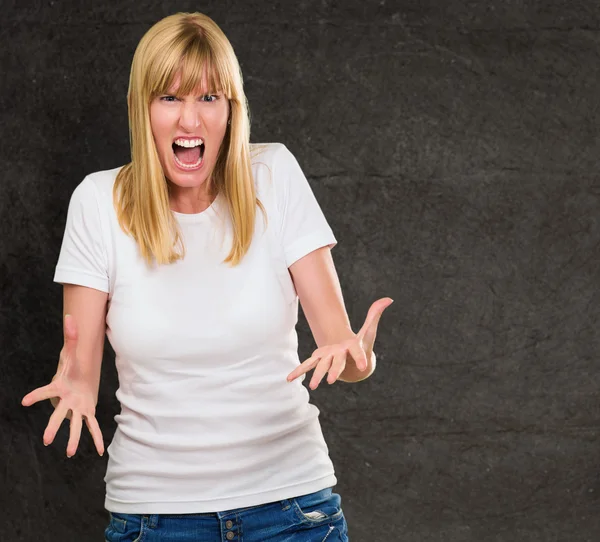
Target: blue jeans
<point>316,517</point>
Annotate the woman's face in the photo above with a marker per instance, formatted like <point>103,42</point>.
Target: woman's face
<point>188,132</point>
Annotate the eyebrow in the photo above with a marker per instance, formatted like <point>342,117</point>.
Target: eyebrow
<point>202,93</point>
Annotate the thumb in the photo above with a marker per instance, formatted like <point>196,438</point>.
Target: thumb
<point>368,331</point>
<point>70,335</point>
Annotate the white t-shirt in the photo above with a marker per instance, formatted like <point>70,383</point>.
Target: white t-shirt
<point>208,421</point>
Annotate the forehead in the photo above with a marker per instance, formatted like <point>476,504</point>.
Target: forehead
<point>193,84</point>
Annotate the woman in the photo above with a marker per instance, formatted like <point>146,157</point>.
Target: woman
<point>192,259</point>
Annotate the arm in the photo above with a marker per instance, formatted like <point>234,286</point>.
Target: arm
<point>320,294</point>
<point>302,228</point>
<point>82,269</point>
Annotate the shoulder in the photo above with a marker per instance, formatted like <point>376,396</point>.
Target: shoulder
<point>273,166</point>
<point>270,154</point>
<point>103,181</point>
<point>97,186</point>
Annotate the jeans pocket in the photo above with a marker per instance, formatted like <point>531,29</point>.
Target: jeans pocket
<point>123,527</point>
<point>320,507</point>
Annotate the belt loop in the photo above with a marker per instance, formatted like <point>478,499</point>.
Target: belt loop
<point>286,504</point>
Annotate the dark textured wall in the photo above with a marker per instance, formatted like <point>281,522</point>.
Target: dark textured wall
<point>454,148</point>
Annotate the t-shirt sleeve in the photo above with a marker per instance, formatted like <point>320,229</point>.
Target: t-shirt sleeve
<point>83,256</point>
<point>303,226</point>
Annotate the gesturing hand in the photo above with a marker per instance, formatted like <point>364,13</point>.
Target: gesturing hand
<point>72,397</point>
<point>332,358</point>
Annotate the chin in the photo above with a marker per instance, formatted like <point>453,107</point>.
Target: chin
<point>187,180</point>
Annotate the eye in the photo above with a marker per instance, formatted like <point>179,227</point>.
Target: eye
<point>167,98</point>
<point>209,98</point>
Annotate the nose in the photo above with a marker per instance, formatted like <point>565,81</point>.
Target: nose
<point>189,118</point>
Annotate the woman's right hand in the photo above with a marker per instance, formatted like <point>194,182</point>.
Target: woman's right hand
<point>72,397</point>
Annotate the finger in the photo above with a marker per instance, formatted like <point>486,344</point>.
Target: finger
<point>39,394</point>
<point>70,335</point>
<point>74,434</point>
<point>54,402</point>
<point>358,355</point>
<point>320,371</point>
<point>94,429</point>
<point>337,367</point>
<point>369,329</point>
<point>54,423</point>
<point>304,367</point>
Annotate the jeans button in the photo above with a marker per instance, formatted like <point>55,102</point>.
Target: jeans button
<point>230,535</point>
<point>229,524</point>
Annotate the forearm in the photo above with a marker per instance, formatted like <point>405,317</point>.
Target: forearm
<point>86,367</point>
<point>87,308</point>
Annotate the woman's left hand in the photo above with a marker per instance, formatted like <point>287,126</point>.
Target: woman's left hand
<point>332,358</point>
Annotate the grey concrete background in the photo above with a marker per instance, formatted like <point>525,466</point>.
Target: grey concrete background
<point>454,148</point>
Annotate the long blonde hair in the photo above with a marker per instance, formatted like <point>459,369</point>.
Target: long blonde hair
<point>189,44</point>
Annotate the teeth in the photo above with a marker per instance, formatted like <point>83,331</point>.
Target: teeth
<point>189,143</point>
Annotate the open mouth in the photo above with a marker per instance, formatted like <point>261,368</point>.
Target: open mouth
<point>188,153</point>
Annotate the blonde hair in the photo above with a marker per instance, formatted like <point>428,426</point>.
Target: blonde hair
<point>191,45</point>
